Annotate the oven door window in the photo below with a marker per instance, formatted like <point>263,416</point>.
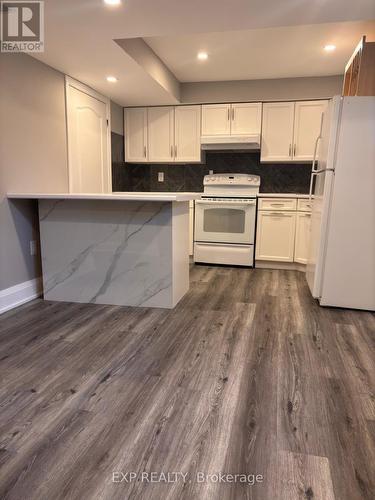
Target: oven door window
<point>224,220</point>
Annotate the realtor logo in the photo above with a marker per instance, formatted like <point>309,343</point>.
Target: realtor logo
<point>22,26</point>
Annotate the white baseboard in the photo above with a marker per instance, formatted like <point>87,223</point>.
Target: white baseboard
<point>288,266</point>
<point>20,294</point>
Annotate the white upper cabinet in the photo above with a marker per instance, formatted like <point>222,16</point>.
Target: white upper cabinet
<point>290,129</point>
<point>231,119</point>
<point>216,119</point>
<point>172,134</point>
<point>161,134</point>
<point>135,134</point>
<point>246,118</point>
<point>187,133</point>
<point>277,131</point>
<point>307,122</point>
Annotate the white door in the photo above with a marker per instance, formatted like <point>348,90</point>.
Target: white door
<point>136,134</point>
<point>161,134</point>
<point>277,131</point>
<point>301,246</point>
<point>187,133</point>
<point>307,123</point>
<point>275,236</point>
<point>216,119</point>
<point>246,118</point>
<point>88,139</point>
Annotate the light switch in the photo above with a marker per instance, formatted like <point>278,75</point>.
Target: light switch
<point>161,176</point>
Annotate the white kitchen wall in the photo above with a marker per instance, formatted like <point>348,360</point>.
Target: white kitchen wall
<point>33,156</point>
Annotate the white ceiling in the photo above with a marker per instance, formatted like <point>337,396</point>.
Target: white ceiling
<point>292,51</point>
<point>80,33</point>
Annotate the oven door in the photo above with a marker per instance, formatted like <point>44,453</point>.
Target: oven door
<point>225,221</point>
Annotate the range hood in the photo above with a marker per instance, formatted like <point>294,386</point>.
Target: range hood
<point>212,142</point>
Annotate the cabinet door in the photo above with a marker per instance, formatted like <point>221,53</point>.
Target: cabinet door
<point>302,237</point>
<point>246,118</point>
<point>216,119</point>
<point>277,131</point>
<point>275,236</point>
<point>307,122</point>
<point>161,134</point>
<point>135,134</point>
<point>187,133</point>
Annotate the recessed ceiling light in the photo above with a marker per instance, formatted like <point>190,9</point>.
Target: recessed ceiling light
<point>112,2</point>
<point>202,56</point>
<point>329,48</point>
<point>111,79</point>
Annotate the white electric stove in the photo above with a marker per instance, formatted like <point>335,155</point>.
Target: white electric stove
<point>225,220</point>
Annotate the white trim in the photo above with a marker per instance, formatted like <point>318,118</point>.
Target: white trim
<point>288,266</point>
<point>70,82</point>
<point>20,294</point>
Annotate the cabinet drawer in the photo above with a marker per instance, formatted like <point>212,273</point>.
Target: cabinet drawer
<point>277,204</point>
<point>304,205</point>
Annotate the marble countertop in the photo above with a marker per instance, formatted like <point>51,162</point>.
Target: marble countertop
<point>282,195</point>
<point>135,196</point>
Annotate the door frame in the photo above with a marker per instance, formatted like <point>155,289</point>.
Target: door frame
<point>72,83</point>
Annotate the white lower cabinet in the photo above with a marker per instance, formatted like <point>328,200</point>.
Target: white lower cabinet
<point>301,245</point>
<point>275,236</point>
<point>283,230</point>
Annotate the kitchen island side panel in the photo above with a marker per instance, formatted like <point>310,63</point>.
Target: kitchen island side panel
<point>108,252</point>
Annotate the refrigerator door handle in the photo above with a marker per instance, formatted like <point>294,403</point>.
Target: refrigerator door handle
<point>313,170</point>
<point>313,174</point>
<point>315,153</point>
<point>319,171</point>
<point>316,143</point>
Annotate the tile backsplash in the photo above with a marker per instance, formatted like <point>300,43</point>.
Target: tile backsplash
<point>275,178</point>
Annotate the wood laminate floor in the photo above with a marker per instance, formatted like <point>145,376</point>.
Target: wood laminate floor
<point>247,375</point>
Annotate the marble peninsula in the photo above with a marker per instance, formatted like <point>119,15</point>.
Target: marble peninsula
<point>127,249</point>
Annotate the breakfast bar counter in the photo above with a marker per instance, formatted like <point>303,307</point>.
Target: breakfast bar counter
<point>128,249</point>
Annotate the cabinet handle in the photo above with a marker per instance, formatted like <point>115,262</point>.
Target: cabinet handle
<point>233,114</point>
<point>144,151</point>
<point>172,151</point>
<point>277,204</point>
<point>175,151</point>
<point>290,150</point>
<point>279,214</point>
<point>228,114</point>
<point>294,150</point>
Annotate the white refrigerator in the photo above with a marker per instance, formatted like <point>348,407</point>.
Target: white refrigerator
<point>341,263</point>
